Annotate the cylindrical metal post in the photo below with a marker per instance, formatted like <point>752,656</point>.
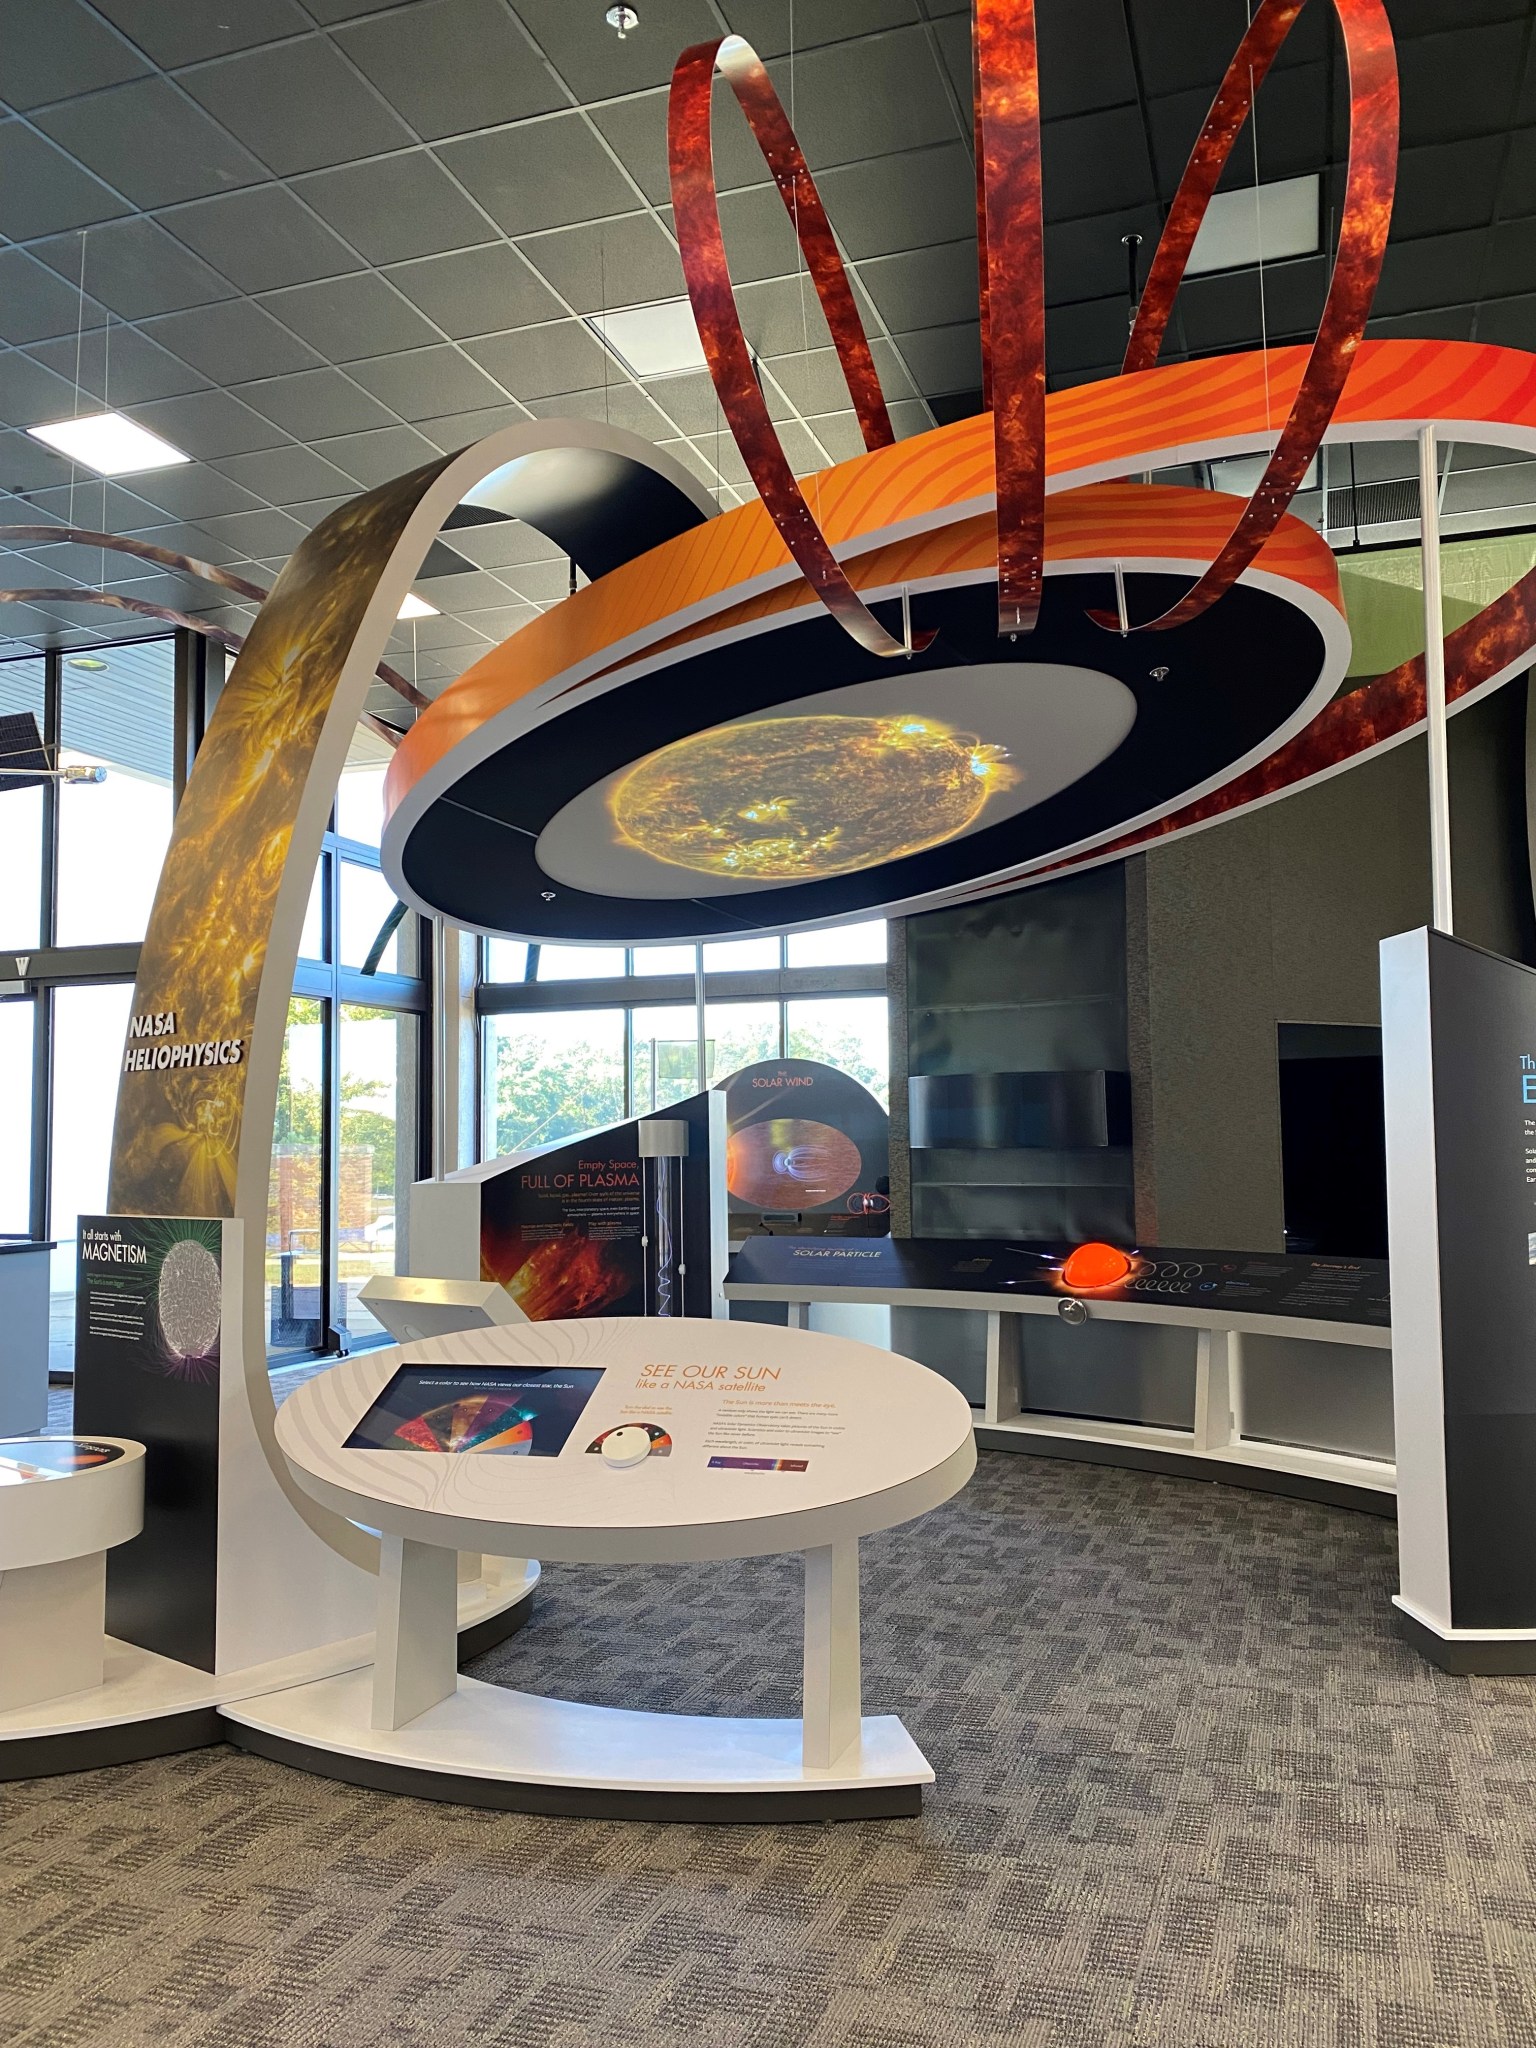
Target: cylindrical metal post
<point>1441,909</point>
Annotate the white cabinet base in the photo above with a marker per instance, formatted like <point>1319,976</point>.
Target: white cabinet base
<point>486,1746</point>
<point>52,1629</point>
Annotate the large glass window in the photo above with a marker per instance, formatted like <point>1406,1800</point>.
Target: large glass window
<point>738,1034</point>
<point>90,1028</point>
<point>551,1075</point>
<point>366,903</point>
<point>377,1097</point>
<point>296,1192</point>
<point>581,963</point>
<point>664,1056</point>
<point>17,1026</point>
<point>845,945</point>
<point>21,815</point>
<point>119,715</point>
<point>847,1032</point>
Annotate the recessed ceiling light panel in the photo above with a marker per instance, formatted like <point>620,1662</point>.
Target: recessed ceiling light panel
<point>416,608</point>
<point>652,341</point>
<point>109,444</point>
<point>1260,224</point>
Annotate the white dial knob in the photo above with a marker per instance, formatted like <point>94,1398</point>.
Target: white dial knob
<point>630,1445</point>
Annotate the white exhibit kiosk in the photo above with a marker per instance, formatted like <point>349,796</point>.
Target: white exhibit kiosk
<point>615,1440</point>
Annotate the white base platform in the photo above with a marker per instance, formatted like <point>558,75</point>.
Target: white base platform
<point>486,1746</point>
<point>138,1687</point>
<point>1467,1652</point>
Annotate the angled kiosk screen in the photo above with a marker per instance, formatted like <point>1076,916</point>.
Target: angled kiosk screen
<point>516,1411</point>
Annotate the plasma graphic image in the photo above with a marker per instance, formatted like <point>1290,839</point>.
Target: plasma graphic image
<point>799,799</point>
<point>790,1163</point>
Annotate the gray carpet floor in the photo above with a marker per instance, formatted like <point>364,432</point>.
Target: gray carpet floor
<point>1192,1791</point>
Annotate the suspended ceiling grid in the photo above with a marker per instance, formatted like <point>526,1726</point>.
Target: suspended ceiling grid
<point>325,240</point>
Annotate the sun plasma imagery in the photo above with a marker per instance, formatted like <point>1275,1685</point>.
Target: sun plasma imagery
<point>796,799</point>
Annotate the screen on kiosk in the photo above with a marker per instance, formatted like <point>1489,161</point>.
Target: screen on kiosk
<point>508,1411</point>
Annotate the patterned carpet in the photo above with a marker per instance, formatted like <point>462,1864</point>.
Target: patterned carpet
<point>1191,1792</point>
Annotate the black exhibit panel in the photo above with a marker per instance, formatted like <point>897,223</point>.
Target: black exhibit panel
<point>532,840</point>
<point>1483,1040</point>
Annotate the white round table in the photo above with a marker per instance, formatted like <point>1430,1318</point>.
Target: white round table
<point>525,1440</point>
<point>65,1501</point>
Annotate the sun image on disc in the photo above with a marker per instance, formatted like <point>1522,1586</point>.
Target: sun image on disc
<point>188,1299</point>
<point>480,1422</point>
<point>790,1162</point>
<point>797,799</point>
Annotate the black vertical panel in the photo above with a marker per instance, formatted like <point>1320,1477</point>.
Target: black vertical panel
<point>1483,1033</point>
<point>132,1381</point>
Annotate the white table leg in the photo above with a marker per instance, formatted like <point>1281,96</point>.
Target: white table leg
<point>830,1702</point>
<point>416,1658</point>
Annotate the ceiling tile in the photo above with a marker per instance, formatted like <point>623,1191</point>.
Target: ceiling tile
<point>925,287</point>
<point>34,303</point>
<point>452,67</point>
<point>297,106</point>
<point>31,394</point>
<point>43,191</point>
<point>871,98</point>
<point>500,545</point>
<point>208,423</point>
<point>774,27</point>
<point>500,622</point>
<point>1518,190</point>
<point>315,403</point>
<point>540,174</point>
<point>186,540</point>
<point>1085,58</point>
<point>257,534</point>
<point>636,131</point>
<point>195,493</point>
<point>1444,323</point>
<point>1437,270</point>
<point>592,60</point>
<point>136,268</point>
<point>151,143</point>
<point>1449,185</point>
<point>26,465</point>
<point>637,409</point>
<point>348,317</point>
<point>285,475</point>
<point>538,362</point>
<point>469,592</point>
<point>1509,322</point>
<point>1192,49</point>
<point>943,358</point>
<point>783,317</point>
<point>539,582</point>
<point>1511,261</point>
<point>261,239</point>
<point>1085,259</point>
<point>891,203</point>
<point>1089,332</point>
<point>454,430</point>
<point>346,10</point>
<point>399,207</point>
<point>425,383</point>
<point>1464,82</point>
<point>1222,311</point>
<point>58,49</point>
<point>477,291</point>
<point>1292,135</point>
<point>839,434</point>
<point>231,343</point>
<point>376,457</point>
<point>910,416</point>
<point>118,365</point>
<point>176,32</point>
<point>1094,164</point>
<point>630,261</point>
<point>814,383</point>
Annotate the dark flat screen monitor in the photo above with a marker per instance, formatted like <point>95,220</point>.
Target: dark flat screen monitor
<point>507,1410</point>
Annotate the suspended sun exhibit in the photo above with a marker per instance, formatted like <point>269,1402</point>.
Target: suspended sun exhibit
<point>796,799</point>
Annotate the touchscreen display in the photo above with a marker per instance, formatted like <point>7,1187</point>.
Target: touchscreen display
<point>513,1410</point>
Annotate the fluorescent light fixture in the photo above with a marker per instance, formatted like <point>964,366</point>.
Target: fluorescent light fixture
<point>109,444</point>
<point>652,341</point>
<point>1260,224</point>
<point>416,608</point>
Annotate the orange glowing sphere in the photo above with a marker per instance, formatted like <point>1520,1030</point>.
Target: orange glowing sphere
<point>1095,1265</point>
